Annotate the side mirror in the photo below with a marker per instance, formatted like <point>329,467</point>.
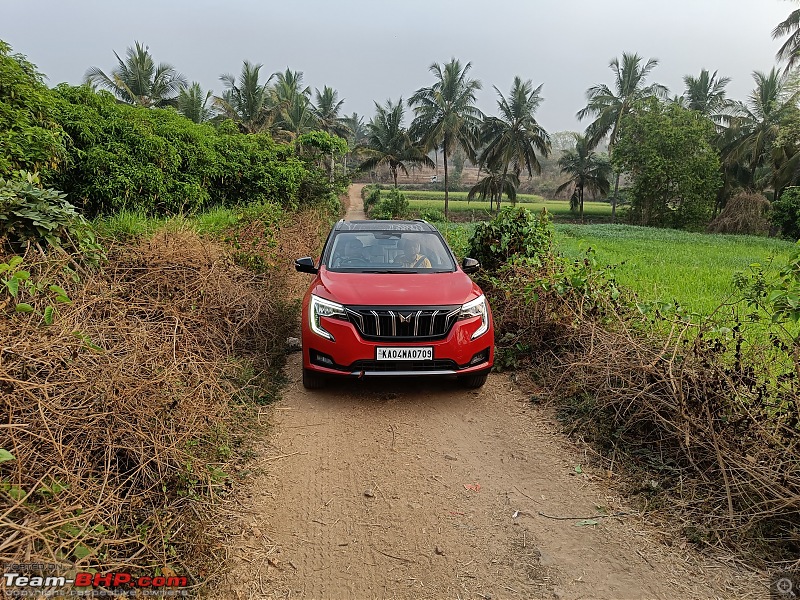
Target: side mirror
<point>305,265</point>
<point>470,265</point>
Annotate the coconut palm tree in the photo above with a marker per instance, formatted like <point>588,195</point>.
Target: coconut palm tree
<point>608,106</point>
<point>246,101</point>
<point>494,186</point>
<point>790,50</point>
<point>587,171</point>
<point>445,115</point>
<point>193,103</point>
<point>753,127</point>
<point>388,143</point>
<point>291,103</point>
<point>327,107</point>
<point>514,137</point>
<point>138,80</point>
<point>706,95</point>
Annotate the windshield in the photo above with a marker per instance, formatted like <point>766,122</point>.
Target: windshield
<point>388,252</point>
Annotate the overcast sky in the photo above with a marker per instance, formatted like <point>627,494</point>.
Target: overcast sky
<point>372,50</point>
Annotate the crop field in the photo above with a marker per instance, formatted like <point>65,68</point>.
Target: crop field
<point>559,209</point>
<point>695,269</point>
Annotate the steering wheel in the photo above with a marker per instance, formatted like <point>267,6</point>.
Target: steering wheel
<point>354,261</point>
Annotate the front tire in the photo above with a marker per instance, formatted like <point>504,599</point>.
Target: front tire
<point>312,380</point>
<point>473,382</point>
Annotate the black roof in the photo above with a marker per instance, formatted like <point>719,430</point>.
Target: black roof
<point>375,225</point>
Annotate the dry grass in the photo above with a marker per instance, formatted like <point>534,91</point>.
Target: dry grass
<point>746,213</point>
<point>120,450</point>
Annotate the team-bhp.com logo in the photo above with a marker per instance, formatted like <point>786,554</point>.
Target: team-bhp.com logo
<point>24,584</point>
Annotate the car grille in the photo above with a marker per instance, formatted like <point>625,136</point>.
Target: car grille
<point>413,365</point>
<point>403,323</point>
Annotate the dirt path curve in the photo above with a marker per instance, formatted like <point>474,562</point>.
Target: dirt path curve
<point>355,205</point>
<point>420,489</point>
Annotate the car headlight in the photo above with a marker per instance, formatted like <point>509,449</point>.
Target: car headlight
<point>476,308</point>
<point>318,308</point>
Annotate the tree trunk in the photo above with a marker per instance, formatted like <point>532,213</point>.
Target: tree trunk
<point>394,175</point>
<point>614,200</point>
<point>446,197</point>
<point>580,198</point>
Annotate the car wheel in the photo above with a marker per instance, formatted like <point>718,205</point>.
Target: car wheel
<point>473,381</point>
<point>312,380</point>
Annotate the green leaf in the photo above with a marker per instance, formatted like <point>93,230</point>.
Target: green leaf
<point>48,315</point>
<point>81,551</point>
<point>586,523</point>
<point>578,469</point>
<point>17,260</point>
<point>16,492</point>
<point>5,456</point>
<point>22,275</point>
<point>23,307</point>
<point>57,289</point>
<point>13,287</point>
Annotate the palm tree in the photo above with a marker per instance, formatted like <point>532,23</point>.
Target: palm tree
<point>246,102</point>
<point>192,103</point>
<point>138,80</point>
<point>609,107</point>
<point>327,107</point>
<point>587,170</point>
<point>388,143</point>
<point>494,185</point>
<point>790,50</point>
<point>753,127</point>
<point>445,114</point>
<point>291,102</point>
<point>706,95</point>
<point>513,138</point>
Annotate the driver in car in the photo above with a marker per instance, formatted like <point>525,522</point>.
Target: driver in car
<point>353,254</point>
<point>412,257</point>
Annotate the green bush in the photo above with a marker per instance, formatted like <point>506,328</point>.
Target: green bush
<point>159,162</point>
<point>30,213</point>
<point>432,214</point>
<point>513,232</point>
<point>393,206</point>
<point>786,213</point>
<point>29,137</point>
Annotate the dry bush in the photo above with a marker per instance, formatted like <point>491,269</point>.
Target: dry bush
<point>124,414</point>
<point>706,425</point>
<point>745,214</point>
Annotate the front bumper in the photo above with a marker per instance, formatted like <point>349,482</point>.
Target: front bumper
<point>351,355</point>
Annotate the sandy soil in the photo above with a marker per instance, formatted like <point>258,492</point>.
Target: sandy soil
<point>420,489</point>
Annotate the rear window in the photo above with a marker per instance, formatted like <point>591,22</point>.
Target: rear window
<point>388,252</point>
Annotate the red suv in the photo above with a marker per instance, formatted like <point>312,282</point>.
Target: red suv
<point>389,298</point>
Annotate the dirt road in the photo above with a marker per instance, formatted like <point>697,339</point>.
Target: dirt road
<point>420,489</point>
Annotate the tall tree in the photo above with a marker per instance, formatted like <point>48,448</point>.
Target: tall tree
<point>754,126</point>
<point>193,103</point>
<point>327,107</point>
<point>494,186</point>
<point>513,138</point>
<point>246,101</point>
<point>706,94</point>
<point>446,116</point>
<point>291,102</point>
<point>388,143</point>
<point>138,80</point>
<point>790,50</point>
<point>608,107</point>
<point>587,170</point>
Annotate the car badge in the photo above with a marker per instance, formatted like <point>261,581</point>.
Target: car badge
<point>405,318</point>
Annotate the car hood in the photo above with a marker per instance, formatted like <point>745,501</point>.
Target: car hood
<point>396,289</point>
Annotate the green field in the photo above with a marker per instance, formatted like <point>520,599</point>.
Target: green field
<point>557,208</point>
<point>696,269</point>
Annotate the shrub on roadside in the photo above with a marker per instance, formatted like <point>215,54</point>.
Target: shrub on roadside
<point>513,232</point>
<point>786,213</point>
<point>391,206</point>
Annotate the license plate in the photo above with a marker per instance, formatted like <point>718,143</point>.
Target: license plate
<point>423,353</point>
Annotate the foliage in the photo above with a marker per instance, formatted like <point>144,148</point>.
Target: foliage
<point>371,198</point>
<point>138,80</point>
<point>513,138</point>
<point>786,213</point>
<point>156,161</point>
<point>790,50</point>
<point>246,101</point>
<point>391,206</point>
<point>513,233</point>
<point>494,186</point>
<point>388,142</point>
<point>674,169</point>
<point>32,214</point>
<point>30,139</point>
<point>24,289</point>
<point>706,94</point>
<point>587,171</point>
<point>446,116</point>
<point>193,103</point>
